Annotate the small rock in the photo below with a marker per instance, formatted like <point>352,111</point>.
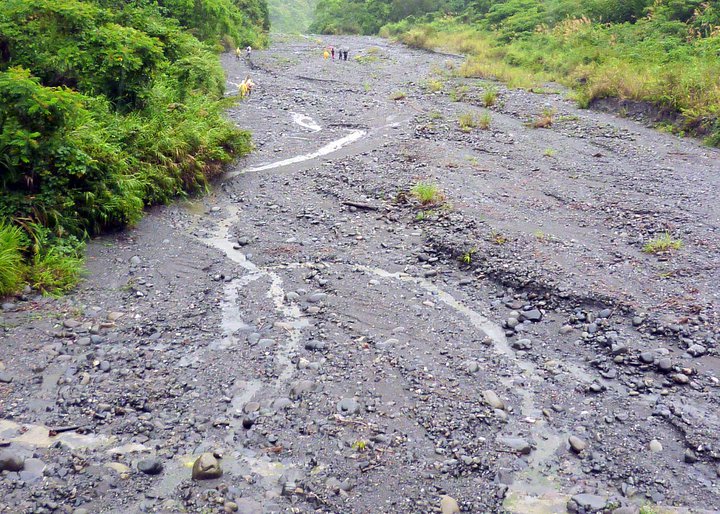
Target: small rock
<point>590,502</point>
<point>533,315</point>
<point>471,366</point>
<point>697,350</point>
<point>348,406</point>
<point>206,467</point>
<point>517,444</point>
<point>681,378</point>
<point>11,461</point>
<point>664,364</point>
<point>522,344</point>
<point>150,466</point>
<point>605,313</point>
<point>316,297</point>
<point>114,316</point>
<point>655,446</point>
<point>5,378</point>
<point>493,400</point>
<point>577,444</point>
<point>135,260</point>
<point>647,357</point>
<point>690,456</point>
<point>449,505</point>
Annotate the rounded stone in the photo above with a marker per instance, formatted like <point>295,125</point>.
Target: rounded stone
<point>206,467</point>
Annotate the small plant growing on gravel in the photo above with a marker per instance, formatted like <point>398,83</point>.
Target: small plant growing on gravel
<point>549,152</point>
<point>459,94</point>
<point>546,118</point>
<point>434,85</point>
<point>484,121</point>
<point>424,215</point>
<point>497,238</point>
<point>467,257</point>
<point>468,121</point>
<point>490,97</point>
<point>647,509</point>
<point>540,235</point>
<point>435,115</point>
<point>398,95</point>
<point>359,446</point>
<point>663,243</point>
<point>427,193</point>
<point>367,87</point>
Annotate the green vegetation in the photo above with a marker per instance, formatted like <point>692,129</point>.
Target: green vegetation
<point>666,52</point>
<point>484,121</point>
<point>467,257</point>
<point>107,106</point>
<point>427,193</point>
<point>468,121</point>
<point>545,119</point>
<point>398,95</point>
<point>434,85</point>
<point>549,152</point>
<point>360,446</point>
<point>662,243</point>
<point>459,94</point>
<point>498,238</point>
<point>490,96</point>
<point>11,258</point>
<point>291,16</point>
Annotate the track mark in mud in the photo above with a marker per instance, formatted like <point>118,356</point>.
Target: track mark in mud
<point>306,122</point>
<point>547,440</point>
<point>292,319</point>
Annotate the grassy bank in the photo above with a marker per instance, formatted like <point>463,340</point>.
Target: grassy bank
<point>665,52</point>
<point>646,62</point>
<point>106,107</point>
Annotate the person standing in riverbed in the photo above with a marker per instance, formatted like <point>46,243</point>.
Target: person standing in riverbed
<point>345,50</point>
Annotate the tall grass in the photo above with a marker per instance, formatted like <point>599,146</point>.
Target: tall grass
<point>11,258</point>
<point>655,61</point>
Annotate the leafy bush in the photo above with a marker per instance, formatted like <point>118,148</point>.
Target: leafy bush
<point>427,193</point>
<point>11,258</point>
<point>107,106</point>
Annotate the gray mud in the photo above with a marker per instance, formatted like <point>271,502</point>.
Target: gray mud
<point>346,350</point>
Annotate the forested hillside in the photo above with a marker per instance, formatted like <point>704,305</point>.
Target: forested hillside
<point>291,16</point>
<point>666,52</point>
<point>107,106</point>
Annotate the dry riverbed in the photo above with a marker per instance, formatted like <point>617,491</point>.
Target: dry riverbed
<point>333,346</point>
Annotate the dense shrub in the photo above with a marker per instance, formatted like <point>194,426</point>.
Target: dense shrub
<point>106,107</point>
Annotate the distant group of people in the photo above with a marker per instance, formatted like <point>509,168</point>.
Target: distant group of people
<point>238,53</point>
<point>342,53</point>
<point>245,88</point>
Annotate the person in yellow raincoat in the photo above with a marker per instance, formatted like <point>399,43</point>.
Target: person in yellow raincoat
<point>246,87</point>
<point>237,53</point>
<point>326,55</point>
